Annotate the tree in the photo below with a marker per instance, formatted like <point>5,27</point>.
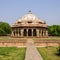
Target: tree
<point>2,32</point>
<point>54,30</point>
<point>5,28</point>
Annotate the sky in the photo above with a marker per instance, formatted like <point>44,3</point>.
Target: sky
<point>47,10</point>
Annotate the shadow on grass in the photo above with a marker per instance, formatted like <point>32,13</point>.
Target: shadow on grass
<point>4,54</point>
<point>58,51</point>
<point>57,54</point>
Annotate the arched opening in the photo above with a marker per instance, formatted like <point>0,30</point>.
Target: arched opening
<point>42,32</point>
<point>25,32</point>
<point>19,32</point>
<point>29,32</point>
<point>34,32</point>
<point>14,33</point>
<point>39,32</point>
<point>45,33</point>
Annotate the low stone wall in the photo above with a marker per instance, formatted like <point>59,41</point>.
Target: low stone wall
<point>23,43</point>
<point>5,44</point>
<point>44,43</point>
<point>12,43</point>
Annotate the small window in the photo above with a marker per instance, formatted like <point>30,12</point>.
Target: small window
<point>19,22</point>
<point>29,21</point>
<point>40,22</point>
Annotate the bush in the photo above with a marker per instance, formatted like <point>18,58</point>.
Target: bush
<point>54,30</point>
<point>2,32</point>
<point>5,28</point>
<point>58,51</point>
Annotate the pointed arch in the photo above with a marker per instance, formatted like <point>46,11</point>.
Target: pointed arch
<point>29,32</point>
<point>25,32</point>
<point>34,32</point>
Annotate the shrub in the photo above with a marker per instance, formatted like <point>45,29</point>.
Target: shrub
<point>5,28</point>
<point>58,51</point>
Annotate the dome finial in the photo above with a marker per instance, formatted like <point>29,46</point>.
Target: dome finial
<point>29,11</point>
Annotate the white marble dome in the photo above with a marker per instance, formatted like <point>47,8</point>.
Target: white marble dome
<point>30,17</point>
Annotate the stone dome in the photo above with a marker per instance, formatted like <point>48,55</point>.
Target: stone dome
<point>30,17</point>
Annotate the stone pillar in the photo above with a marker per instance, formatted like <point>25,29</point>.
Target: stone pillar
<point>22,32</point>
<point>15,32</point>
<point>37,32</point>
<point>41,33</point>
<point>32,32</point>
<point>18,32</point>
<point>27,32</point>
<point>46,33</point>
<point>12,34</point>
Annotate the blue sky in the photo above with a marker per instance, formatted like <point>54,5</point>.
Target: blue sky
<point>48,10</point>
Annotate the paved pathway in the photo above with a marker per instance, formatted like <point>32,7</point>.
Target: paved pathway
<point>32,53</point>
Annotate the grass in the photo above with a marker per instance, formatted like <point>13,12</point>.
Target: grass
<point>12,53</point>
<point>49,53</point>
<point>11,38</point>
<point>7,38</point>
<point>49,38</point>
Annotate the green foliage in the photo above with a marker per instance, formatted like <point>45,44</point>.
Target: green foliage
<point>58,51</point>
<point>54,30</point>
<point>2,32</point>
<point>5,51</point>
<point>5,28</point>
<point>12,53</point>
<point>48,53</point>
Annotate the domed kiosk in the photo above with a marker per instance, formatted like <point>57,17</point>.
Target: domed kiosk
<point>29,26</point>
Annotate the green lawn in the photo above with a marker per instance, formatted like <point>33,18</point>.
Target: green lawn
<point>49,38</point>
<point>7,38</point>
<point>12,53</point>
<point>11,38</point>
<point>49,53</point>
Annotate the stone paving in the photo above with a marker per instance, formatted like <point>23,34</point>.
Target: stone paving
<point>32,53</point>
